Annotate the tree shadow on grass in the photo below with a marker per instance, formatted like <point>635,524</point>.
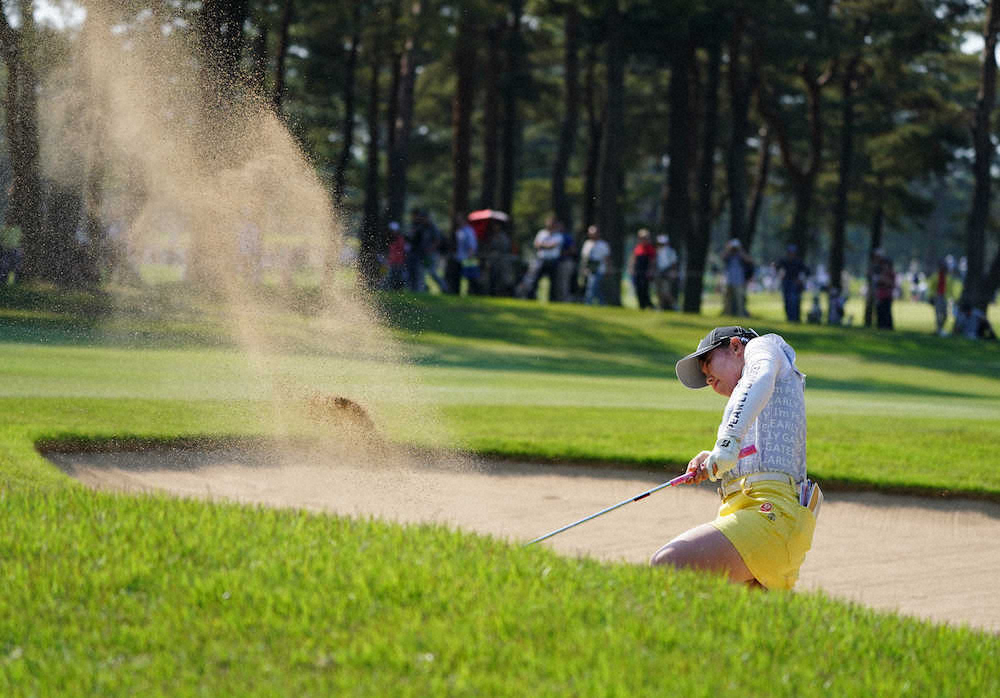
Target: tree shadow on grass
<point>904,349</point>
<point>650,365</point>
<point>70,331</point>
<point>523,324</point>
<point>883,387</point>
<point>650,350</point>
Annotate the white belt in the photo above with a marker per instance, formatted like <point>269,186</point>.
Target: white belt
<point>728,487</point>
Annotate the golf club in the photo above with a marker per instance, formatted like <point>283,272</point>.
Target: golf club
<point>686,477</point>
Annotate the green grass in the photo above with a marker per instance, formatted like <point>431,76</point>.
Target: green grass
<point>124,595</point>
<point>140,596</point>
<point>885,409</point>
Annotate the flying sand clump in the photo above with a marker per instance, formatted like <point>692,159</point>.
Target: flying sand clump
<point>197,174</point>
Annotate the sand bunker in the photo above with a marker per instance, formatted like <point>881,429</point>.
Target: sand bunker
<point>933,559</point>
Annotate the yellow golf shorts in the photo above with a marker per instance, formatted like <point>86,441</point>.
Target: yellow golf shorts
<point>770,529</point>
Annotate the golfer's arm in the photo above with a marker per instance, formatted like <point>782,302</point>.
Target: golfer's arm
<point>748,399</point>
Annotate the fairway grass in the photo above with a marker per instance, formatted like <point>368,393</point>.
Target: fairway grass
<point>146,595</point>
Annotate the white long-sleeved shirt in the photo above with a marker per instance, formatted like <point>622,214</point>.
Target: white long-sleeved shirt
<point>767,411</point>
<point>596,251</point>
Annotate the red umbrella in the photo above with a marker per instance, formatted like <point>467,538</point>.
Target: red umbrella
<point>481,219</point>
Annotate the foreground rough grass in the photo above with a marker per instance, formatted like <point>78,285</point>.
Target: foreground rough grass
<point>117,595</point>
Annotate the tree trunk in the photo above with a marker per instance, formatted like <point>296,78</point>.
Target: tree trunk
<point>280,56</point>
<point>567,134</point>
<point>763,172</point>
<point>400,154</point>
<point>258,53</point>
<point>973,291</point>
<point>706,168</point>
<point>878,222</point>
<point>461,117</point>
<point>24,208</point>
<point>802,176</point>
<point>222,39</point>
<point>370,247</point>
<point>992,281</point>
<point>594,130</point>
<point>347,130</point>
<point>491,117</point>
<point>609,211</point>
<point>392,103</point>
<point>848,84</point>
<point>736,155</point>
<point>678,180</point>
<point>511,127</point>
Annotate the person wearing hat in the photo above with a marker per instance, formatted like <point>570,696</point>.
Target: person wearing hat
<point>765,523</point>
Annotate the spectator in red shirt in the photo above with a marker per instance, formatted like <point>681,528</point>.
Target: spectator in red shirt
<point>396,258</point>
<point>642,267</point>
<point>883,280</point>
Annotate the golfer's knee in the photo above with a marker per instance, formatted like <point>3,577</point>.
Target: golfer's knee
<point>672,554</point>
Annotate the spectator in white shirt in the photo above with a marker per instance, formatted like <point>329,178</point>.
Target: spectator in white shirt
<point>594,264</point>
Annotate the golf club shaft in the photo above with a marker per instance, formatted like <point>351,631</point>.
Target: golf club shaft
<point>676,481</point>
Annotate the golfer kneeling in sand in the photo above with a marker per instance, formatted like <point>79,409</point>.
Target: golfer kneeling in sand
<point>765,524</point>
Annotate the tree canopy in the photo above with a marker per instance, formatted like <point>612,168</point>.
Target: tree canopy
<point>836,125</point>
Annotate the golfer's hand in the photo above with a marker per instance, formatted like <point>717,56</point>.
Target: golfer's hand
<point>723,457</point>
<point>696,468</point>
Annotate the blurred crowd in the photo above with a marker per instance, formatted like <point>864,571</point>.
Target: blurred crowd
<point>480,258</point>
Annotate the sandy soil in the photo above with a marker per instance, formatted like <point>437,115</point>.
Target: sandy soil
<point>929,558</point>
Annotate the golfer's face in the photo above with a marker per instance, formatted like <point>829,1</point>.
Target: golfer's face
<point>723,369</point>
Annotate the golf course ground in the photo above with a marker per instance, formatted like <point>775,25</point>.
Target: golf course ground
<point>151,594</point>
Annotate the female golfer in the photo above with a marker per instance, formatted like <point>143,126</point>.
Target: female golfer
<point>762,532</point>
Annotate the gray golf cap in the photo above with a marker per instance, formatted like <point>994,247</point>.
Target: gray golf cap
<point>689,369</point>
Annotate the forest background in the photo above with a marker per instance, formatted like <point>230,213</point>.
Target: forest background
<point>837,125</point>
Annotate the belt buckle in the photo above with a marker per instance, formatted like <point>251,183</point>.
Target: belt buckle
<point>722,486</point>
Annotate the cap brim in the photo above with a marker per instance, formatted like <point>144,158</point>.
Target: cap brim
<point>689,368</point>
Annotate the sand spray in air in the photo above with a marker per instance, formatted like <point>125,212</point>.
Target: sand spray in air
<point>196,175</point>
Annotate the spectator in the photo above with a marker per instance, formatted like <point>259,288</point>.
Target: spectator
<point>501,271</point>
<point>666,273</point>
<point>465,257</point>
<point>822,280</point>
<point>395,279</point>
<point>793,274</point>
<point>594,263</point>
<point>414,255</point>
<point>565,266</point>
<point>972,323</point>
<point>11,254</point>
<point>815,314</point>
<point>642,266</point>
<point>942,292</point>
<point>548,249</point>
<point>883,282</point>
<point>736,264</point>
<point>424,254</point>
<point>917,281</point>
<point>837,300</point>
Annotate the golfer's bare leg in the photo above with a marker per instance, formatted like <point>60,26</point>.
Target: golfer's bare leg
<point>704,548</point>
